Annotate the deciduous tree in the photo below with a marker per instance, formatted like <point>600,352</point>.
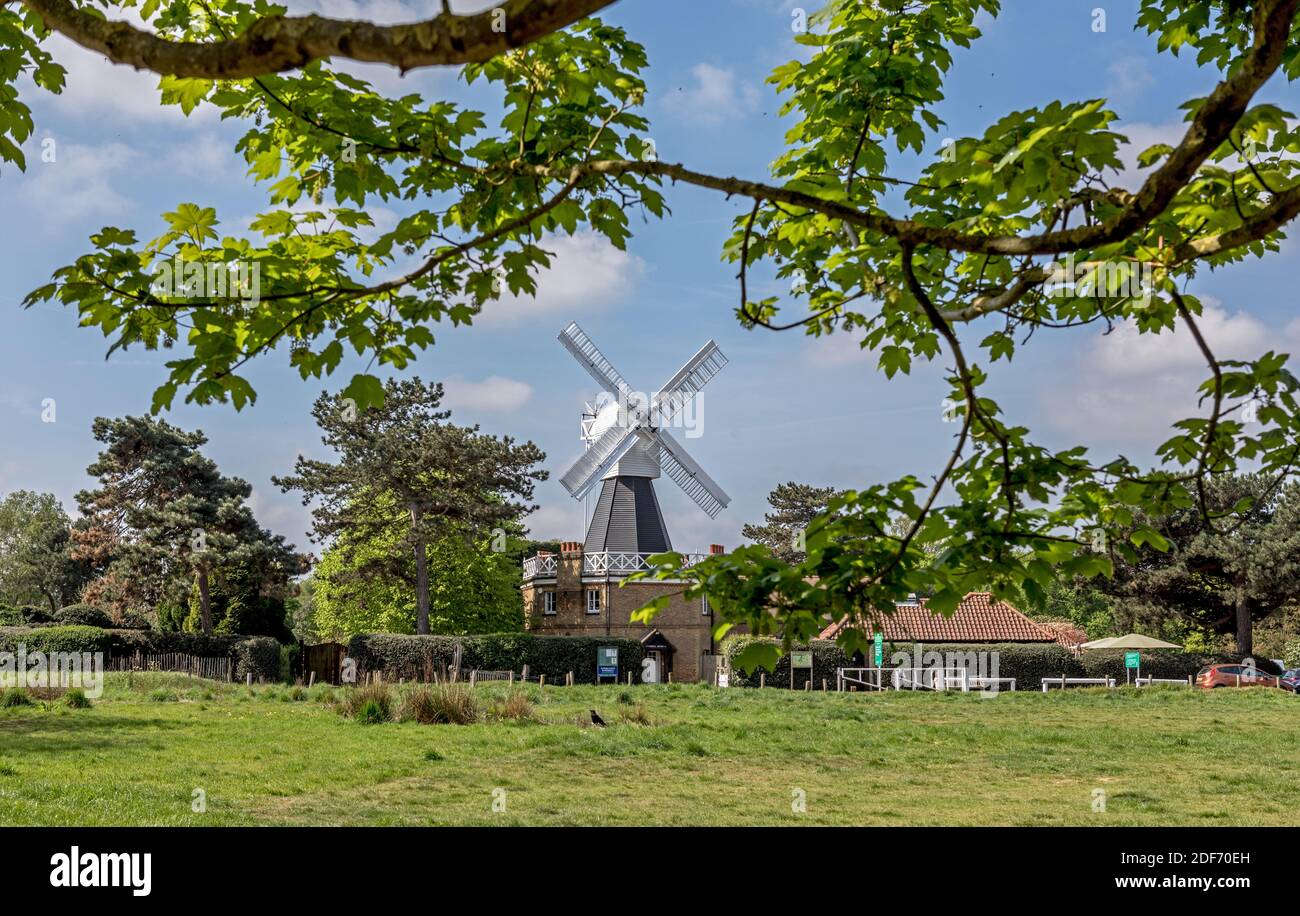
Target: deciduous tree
<point>35,565</point>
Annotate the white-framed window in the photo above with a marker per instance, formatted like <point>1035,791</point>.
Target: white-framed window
<point>548,602</point>
<point>593,601</point>
<point>704,606</point>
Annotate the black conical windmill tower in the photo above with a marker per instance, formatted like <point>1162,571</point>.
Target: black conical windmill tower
<point>628,447</point>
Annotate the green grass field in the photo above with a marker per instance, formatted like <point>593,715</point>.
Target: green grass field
<point>1161,756</point>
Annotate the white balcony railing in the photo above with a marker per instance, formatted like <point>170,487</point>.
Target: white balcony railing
<point>603,563</point>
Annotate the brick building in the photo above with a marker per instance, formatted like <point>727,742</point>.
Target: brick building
<point>577,593</point>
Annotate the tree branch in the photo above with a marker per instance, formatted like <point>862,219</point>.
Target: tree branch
<point>278,43</point>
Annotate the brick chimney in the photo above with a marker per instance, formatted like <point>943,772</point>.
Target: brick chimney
<point>568,571</point>
<point>716,549</point>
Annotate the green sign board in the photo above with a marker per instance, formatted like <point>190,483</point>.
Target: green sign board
<point>607,661</point>
<point>880,649</point>
<point>800,659</point>
<point>1132,660</point>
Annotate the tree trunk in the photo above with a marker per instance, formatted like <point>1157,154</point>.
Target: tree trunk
<point>205,604</point>
<point>1245,634</point>
<point>53,605</point>
<point>421,576</point>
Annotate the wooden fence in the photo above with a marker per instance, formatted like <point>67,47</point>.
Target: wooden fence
<point>217,668</point>
<point>325,661</point>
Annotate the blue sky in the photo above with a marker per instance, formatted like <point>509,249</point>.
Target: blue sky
<point>786,407</point>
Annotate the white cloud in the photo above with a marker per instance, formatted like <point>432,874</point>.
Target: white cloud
<point>208,159</point>
<point>1127,353</point>
<point>557,521</point>
<point>112,93</point>
<point>495,394</point>
<point>1128,387</point>
<point>1129,76</point>
<point>77,185</point>
<point>715,96</point>
<point>1142,136</point>
<point>283,514</point>
<point>840,348</point>
<point>586,272</point>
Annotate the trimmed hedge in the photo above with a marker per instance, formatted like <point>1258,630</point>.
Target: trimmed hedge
<point>1028,663</point>
<point>416,658</point>
<point>156,642</point>
<point>1161,663</point>
<point>827,656</point>
<point>82,615</point>
<point>54,639</point>
<point>28,616</point>
<point>258,655</point>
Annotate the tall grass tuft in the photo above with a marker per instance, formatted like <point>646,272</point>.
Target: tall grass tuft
<point>16,696</point>
<point>635,715</point>
<point>370,704</point>
<point>514,705</point>
<point>439,704</point>
<point>76,698</point>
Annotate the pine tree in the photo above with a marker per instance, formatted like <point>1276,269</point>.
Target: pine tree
<point>164,517</point>
<point>407,478</point>
<point>794,506</point>
<point>1221,577</point>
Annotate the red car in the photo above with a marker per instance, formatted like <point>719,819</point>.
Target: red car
<point>1235,676</point>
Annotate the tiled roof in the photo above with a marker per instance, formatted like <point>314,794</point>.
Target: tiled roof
<point>978,618</point>
<point>1066,633</point>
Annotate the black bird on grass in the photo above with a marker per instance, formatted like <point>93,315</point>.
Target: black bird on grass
<point>596,719</point>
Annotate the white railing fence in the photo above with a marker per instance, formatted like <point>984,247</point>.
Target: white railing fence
<point>915,679</point>
<point>599,563</point>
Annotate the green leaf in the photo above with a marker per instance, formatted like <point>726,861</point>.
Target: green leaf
<point>365,391</point>
<point>757,655</point>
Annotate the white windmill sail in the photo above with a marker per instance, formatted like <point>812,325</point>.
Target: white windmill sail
<point>586,352</point>
<point>686,383</point>
<point>683,469</point>
<point>596,461</point>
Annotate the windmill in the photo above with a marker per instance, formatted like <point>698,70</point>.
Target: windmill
<point>628,447</point>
